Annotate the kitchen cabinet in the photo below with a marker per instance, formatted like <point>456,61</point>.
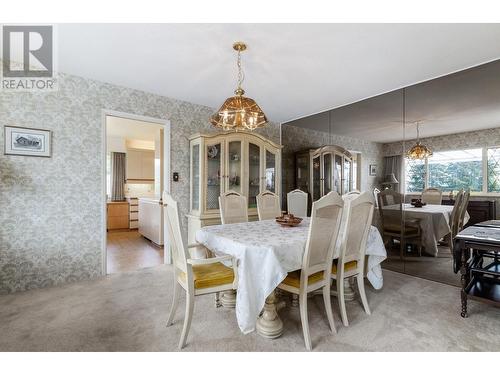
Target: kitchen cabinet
<point>238,161</point>
<point>140,165</point>
<point>118,215</point>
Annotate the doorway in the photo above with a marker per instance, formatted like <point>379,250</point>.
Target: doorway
<point>137,154</point>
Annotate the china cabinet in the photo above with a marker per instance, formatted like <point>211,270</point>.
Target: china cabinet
<point>328,168</point>
<point>239,161</point>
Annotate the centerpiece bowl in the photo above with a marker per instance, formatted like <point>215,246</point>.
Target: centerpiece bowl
<point>288,220</point>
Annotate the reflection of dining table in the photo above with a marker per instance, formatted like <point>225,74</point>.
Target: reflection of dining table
<point>434,222</point>
<point>266,252</point>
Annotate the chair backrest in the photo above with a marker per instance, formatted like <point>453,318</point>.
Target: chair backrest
<point>268,205</point>
<point>179,251</point>
<point>463,209</point>
<point>233,208</point>
<point>432,196</point>
<point>297,203</point>
<point>352,193</point>
<point>376,192</point>
<point>389,197</point>
<point>455,214</point>
<point>358,216</point>
<point>323,232</point>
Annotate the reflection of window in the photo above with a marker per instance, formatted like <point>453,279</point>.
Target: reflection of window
<point>493,169</point>
<point>414,175</point>
<point>108,174</point>
<point>455,170</point>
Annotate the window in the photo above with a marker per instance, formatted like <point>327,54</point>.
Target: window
<point>475,169</point>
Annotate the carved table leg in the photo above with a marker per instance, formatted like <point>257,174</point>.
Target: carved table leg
<point>349,293</point>
<point>463,296</point>
<point>228,299</point>
<point>464,280</point>
<point>269,324</point>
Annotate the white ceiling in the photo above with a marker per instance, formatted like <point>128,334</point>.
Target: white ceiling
<point>292,70</point>
<point>131,129</point>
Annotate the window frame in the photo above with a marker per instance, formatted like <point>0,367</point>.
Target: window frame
<point>484,163</point>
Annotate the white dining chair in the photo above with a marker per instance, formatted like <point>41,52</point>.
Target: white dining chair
<point>317,260</point>
<point>268,205</point>
<point>432,196</point>
<point>376,192</point>
<point>233,208</point>
<point>455,219</point>
<point>358,215</point>
<point>297,203</point>
<point>195,276</point>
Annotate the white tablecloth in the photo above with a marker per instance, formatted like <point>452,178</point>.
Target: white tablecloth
<point>266,252</point>
<point>434,222</point>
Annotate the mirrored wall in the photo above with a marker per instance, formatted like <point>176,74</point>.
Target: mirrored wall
<point>380,144</point>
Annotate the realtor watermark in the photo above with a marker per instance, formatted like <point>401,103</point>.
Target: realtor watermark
<point>28,58</point>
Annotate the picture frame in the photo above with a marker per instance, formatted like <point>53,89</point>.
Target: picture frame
<point>373,170</point>
<point>27,141</point>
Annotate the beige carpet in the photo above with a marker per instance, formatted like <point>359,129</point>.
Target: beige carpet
<point>126,312</point>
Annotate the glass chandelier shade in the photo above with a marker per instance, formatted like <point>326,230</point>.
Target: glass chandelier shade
<point>239,112</point>
<point>419,150</point>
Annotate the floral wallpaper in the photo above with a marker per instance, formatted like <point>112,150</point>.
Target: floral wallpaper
<point>51,208</point>
<point>298,139</point>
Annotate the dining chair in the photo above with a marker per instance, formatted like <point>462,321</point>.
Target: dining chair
<point>195,276</point>
<point>455,219</point>
<point>297,203</point>
<point>352,193</point>
<point>233,208</point>
<point>357,217</point>
<point>432,196</point>
<point>268,205</point>
<point>317,260</point>
<point>392,221</point>
<point>463,209</point>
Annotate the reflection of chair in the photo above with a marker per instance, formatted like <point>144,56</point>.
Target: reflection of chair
<point>353,194</point>
<point>233,208</point>
<point>432,196</point>
<point>297,203</point>
<point>195,276</point>
<point>358,216</point>
<point>376,192</point>
<point>463,209</point>
<point>268,205</point>
<point>455,219</point>
<point>390,205</point>
<point>317,260</point>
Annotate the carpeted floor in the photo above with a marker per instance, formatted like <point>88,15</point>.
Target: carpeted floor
<point>127,312</point>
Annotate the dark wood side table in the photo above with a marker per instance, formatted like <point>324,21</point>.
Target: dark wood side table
<point>476,255</point>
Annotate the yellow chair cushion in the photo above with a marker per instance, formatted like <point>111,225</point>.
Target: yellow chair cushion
<point>293,278</point>
<point>211,275</point>
<point>347,267</point>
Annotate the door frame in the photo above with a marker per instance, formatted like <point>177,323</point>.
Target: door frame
<point>165,123</point>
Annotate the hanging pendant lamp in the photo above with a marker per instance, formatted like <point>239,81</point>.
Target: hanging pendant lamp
<point>239,112</point>
<point>419,150</point>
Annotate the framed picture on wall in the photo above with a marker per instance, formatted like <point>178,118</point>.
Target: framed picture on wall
<point>373,170</point>
<point>27,141</point>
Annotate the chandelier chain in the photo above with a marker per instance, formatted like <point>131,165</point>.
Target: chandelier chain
<point>241,76</point>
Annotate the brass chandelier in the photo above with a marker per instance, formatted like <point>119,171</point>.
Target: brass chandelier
<point>419,151</point>
<point>239,112</point>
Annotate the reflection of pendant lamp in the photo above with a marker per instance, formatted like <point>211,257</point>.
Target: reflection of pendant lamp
<point>239,112</point>
<point>419,151</point>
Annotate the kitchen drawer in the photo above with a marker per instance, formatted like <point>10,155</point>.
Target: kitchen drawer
<point>118,222</point>
<point>134,215</point>
<point>118,209</point>
<point>134,224</point>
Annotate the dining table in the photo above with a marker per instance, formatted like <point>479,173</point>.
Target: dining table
<point>266,252</point>
<point>434,222</point>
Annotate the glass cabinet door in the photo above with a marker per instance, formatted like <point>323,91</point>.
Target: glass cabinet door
<point>316,175</point>
<point>195,177</point>
<point>214,170</point>
<point>347,175</point>
<point>337,180</point>
<point>327,173</point>
<point>270,171</point>
<point>234,170</point>
<point>253,174</point>
<point>302,172</point>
